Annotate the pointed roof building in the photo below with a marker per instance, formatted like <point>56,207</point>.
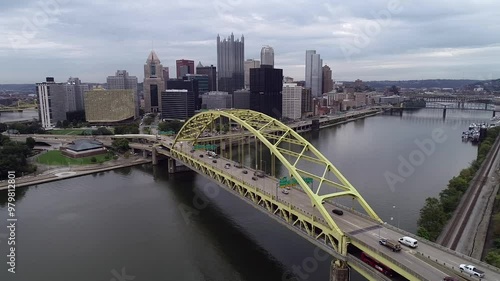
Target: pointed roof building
<point>153,57</point>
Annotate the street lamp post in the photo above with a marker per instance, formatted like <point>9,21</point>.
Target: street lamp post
<point>394,210</point>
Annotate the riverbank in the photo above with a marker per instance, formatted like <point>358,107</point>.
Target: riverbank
<point>65,172</point>
<point>61,173</point>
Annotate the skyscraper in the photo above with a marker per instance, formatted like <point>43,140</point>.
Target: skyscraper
<point>122,81</point>
<point>327,79</point>
<point>74,94</point>
<point>190,85</point>
<point>292,101</point>
<point>266,85</point>
<point>52,102</point>
<point>249,64</point>
<point>267,56</point>
<point>230,58</point>
<point>314,73</point>
<point>211,71</point>
<point>184,67</point>
<point>166,75</point>
<point>154,84</point>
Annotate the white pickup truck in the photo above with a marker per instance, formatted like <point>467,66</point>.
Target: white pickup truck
<point>472,270</point>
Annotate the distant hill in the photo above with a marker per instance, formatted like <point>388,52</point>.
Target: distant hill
<point>431,83</point>
<point>25,88</point>
<point>492,86</point>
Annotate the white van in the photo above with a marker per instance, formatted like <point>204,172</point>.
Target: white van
<point>408,241</point>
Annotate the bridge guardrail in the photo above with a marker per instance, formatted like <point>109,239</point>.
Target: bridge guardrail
<point>425,241</point>
<point>435,245</point>
<point>405,268</point>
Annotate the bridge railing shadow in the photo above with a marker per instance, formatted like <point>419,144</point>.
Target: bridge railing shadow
<point>390,258</point>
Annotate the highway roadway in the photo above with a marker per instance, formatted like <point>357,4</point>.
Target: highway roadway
<point>361,228</point>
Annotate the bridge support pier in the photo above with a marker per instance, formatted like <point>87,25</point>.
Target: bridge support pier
<point>145,154</point>
<point>444,113</point>
<point>391,111</point>
<point>494,112</point>
<point>339,271</point>
<point>401,112</point>
<point>154,156</point>
<point>171,165</point>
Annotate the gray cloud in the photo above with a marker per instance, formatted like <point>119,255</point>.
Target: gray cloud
<point>91,39</point>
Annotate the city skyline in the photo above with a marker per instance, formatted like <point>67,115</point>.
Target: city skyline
<point>424,40</point>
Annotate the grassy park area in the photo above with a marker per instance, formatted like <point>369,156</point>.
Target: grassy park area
<point>55,157</point>
<point>67,132</point>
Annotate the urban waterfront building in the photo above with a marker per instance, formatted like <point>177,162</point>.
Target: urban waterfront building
<point>211,72</point>
<point>123,81</point>
<point>327,80</point>
<point>202,82</point>
<point>177,104</point>
<point>154,83</point>
<point>307,102</point>
<point>216,100</point>
<point>292,101</point>
<point>241,99</point>
<point>107,107</point>
<point>74,94</point>
<point>189,85</point>
<point>52,102</point>
<point>184,67</point>
<point>249,64</point>
<point>83,148</point>
<point>266,84</point>
<point>314,73</point>
<point>230,59</point>
<point>267,56</point>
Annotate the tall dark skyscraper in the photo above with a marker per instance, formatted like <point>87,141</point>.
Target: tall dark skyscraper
<point>230,63</point>
<point>190,85</point>
<point>211,71</point>
<point>327,79</point>
<point>266,86</point>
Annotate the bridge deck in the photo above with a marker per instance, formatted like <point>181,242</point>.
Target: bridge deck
<point>353,224</point>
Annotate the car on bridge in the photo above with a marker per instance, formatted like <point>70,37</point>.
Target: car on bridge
<point>393,245</point>
<point>471,270</point>
<point>338,212</point>
<point>408,241</point>
<point>227,166</point>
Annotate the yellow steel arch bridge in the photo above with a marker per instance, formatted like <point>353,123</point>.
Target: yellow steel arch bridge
<point>302,210</point>
<point>279,138</point>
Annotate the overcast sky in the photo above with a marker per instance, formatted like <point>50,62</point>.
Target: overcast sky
<point>365,39</point>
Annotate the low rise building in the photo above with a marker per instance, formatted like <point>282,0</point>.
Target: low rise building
<point>110,106</point>
<point>83,148</point>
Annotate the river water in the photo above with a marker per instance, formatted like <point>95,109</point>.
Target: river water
<point>26,115</point>
<point>141,224</point>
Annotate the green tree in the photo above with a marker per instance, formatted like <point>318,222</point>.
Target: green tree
<point>171,125</point>
<point>3,127</point>
<point>93,159</point>
<point>103,131</point>
<point>449,199</point>
<point>148,120</point>
<point>30,142</point>
<point>120,145</point>
<point>458,183</point>
<point>422,232</point>
<point>493,257</point>
<point>432,217</point>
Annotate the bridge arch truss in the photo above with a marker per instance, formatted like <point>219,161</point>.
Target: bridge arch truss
<point>285,145</point>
